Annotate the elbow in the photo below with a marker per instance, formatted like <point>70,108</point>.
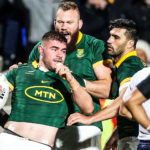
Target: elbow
<point>121,112</point>
<point>106,93</point>
<point>107,89</point>
<point>124,114</point>
<point>88,110</point>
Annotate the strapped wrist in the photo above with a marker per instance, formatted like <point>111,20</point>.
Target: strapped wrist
<point>74,84</point>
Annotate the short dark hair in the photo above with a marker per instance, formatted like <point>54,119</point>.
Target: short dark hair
<point>68,5</point>
<point>129,25</point>
<point>54,35</point>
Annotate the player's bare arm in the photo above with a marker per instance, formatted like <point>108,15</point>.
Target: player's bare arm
<point>77,90</point>
<point>101,87</point>
<point>108,112</point>
<point>134,103</point>
<point>123,111</point>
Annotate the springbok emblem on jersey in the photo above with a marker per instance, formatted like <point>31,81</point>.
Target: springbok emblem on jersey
<point>80,53</point>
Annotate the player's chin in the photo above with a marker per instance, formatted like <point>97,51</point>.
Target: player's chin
<point>53,67</point>
<point>110,51</point>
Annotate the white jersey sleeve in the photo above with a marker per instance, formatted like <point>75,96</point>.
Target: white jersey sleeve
<point>136,79</point>
<point>4,93</point>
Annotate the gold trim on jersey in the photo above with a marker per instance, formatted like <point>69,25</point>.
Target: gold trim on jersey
<point>79,37</point>
<point>133,53</point>
<point>106,61</point>
<point>35,64</point>
<point>97,63</point>
<point>11,86</point>
<point>125,80</point>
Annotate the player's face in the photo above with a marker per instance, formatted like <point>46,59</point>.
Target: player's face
<point>53,52</point>
<point>117,42</point>
<point>68,23</point>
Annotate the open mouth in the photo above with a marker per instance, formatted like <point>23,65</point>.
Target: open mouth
<point>58,61</point>
<point>65,33</point>
<point>109,47</point>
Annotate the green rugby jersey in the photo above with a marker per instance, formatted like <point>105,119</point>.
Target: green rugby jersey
<point>123,71</point>
<point>39,97</point>
<point>89,52</point>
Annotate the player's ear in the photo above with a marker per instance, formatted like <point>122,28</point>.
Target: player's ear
<point>131,44</point>
<point>55,22</point>
<point>80,23</point>
<point>40,49</point>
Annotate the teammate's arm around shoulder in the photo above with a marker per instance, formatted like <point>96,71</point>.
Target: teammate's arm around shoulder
<point>101,87</point>
<point>101,64</point>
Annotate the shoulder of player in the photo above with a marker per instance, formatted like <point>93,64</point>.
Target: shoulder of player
<point>93,40</point>
<point>25,66</point>
<point>129,67</point>
<point>134,61</point>
<point>141,74</point>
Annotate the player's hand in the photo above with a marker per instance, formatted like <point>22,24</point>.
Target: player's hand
<point>78,118</point>
<point>14,66</point>
<point>111,144</point>
<point>64,72</point>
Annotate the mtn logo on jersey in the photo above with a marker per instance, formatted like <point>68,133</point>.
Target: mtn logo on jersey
<point>44,93</point>
<point>80,53</point>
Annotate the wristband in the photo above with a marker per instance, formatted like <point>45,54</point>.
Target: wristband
<point>72,80</point>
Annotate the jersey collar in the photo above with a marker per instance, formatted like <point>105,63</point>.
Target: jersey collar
<point>79,37</point>
<point>35,64</point>
<point>133,53</point>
